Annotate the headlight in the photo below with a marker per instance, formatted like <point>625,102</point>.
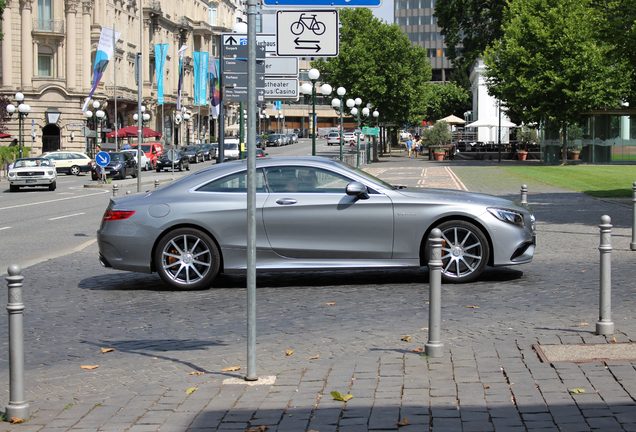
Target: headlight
<point>11,173</point>
<point>50,173</point>
<point>506,215</point>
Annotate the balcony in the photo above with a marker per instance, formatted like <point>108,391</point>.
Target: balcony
<point>47,26</point>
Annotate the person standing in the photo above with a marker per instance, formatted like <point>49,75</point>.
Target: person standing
<point>409,146</point>
<point>417,145</point>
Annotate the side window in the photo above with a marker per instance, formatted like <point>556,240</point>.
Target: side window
<point>305,179</point>
<point>234,183</point>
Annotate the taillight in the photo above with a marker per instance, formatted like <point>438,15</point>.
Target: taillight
<point>114,215</point>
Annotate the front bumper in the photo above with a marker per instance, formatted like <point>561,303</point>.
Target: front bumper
<point>24,181</point>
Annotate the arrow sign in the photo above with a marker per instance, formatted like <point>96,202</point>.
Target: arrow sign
<point>303,32</point>
<point>102,159</point>
<point>231,41</point>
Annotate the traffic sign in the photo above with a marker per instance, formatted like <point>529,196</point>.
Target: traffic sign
<point>265,40</point>
<point>281,88</point>
<point>240,80</point>
<point>323,3</point>
<point>239,65</point>
<point>240,51</point>
<point>239,94</point>
<point>307,33</point>
<point>372,131</point>
<point>102,159</point>
<point>281,66</point>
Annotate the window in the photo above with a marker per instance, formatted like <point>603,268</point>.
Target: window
<point>45,64</point>
<point>212,15</point>
<point>234,183</point>
<point>305,179</point>
<point>45,15</point>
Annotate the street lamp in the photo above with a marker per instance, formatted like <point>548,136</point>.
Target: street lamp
<point>100,116</point>
<point>365,113</point>
<point>313,74</point>
<point>376,114</point>
<point>23,111</point>
<point>186,118</point>
<point>341,91</point>
<point>90,150</point>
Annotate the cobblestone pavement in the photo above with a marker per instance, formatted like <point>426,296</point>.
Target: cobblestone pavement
<point>351,332</point>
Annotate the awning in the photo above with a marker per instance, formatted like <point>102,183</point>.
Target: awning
<point>452,119</point>
<point>5,135</point>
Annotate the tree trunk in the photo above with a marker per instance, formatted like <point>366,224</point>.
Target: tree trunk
<point>564,143</point>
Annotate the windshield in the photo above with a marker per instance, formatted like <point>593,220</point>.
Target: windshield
<point>23,163</point>
<point>231,146</point>
<point>116,157</point>
<point>172,154</point>
<point>145,148</point>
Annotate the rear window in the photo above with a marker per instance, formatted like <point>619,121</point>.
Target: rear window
<point>234,183</point>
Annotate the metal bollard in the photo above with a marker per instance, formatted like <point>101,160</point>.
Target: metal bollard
<point>17,406</point>
<point>524,194</point>
<point>632,245</point>
<point>115,189</point>
<point>604,325</point>
<point>156,183</point>
<point>434,347</point>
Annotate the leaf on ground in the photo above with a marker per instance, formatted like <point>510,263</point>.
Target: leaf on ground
<point>403,422</point>
<point>577,390</point>
<point>583,324</point>
<point>336,395</point>
<point>314,357</point>
<point>16,420</point>
<point>418,350</point>
<point>231,369</point>
<point>261,428</point>
<point>191,390</point>
<point>330,304</point>
<point>89,367</point>
<point>471,307</point>
<point>406,338</point>
<point>289,352</point>
<point>106,350</point>
<point>613,340</point>
<point>196,373</point>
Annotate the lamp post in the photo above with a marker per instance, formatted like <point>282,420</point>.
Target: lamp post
<point>341,91</point>
<point>307,88</point>
<point>88,114</point>
<point>90,150</point>
<point>23,111</point>
<point>335,103</point>
<point>365,113</point>
<point>351,103</point>
<point>376,114</point>
<point>186,119</point>
<point>100,116</point>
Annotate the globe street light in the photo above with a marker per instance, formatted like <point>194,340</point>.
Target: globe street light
<point>341,91</point>
<point>23,111</point>
<point>313,74</point>
<point>90,150</point>
<point>376,114</point>
<point>100,116</point>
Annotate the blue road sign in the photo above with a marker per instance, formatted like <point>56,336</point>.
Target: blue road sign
<point>323,3</point>
<point>102,158</point>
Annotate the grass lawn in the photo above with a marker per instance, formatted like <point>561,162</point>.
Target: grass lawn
<point>603,181</point>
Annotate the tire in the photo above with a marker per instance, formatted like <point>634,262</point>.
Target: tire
<point>94,175</point>
<point>461,264</point>
<point>13,188</point>
<point>75,170</point>
<point>158,170</point>
<point>52,186</point>
<point>187,259</point>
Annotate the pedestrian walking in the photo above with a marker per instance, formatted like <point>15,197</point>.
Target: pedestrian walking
<point>417,145</point>
<point>409,146</point>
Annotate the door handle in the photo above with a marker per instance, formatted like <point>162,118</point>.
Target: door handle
<point>286,201</point>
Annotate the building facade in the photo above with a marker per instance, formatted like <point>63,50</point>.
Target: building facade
<point>416,18</point>
<point>48,51</point>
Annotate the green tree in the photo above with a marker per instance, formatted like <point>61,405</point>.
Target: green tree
<point>378,63</point>
<point>468,27</point>
<point>551,65</point>
<point>2,6</point>
<point>442,100</point>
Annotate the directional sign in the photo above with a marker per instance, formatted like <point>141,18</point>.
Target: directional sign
<point>265,40</point>
<point>240,80</point>
<point>307,33</point>
<point>281,66</point>
<point>324,3</point>
<point>372,131</point>
<point>240,51</point>
<point>239,65</point>
<point>281,88</point>
<point>238,94</point>
<point>102,159</point>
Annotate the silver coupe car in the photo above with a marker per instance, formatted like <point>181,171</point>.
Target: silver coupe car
<point>313,213</point>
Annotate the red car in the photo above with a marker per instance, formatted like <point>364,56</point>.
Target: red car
<point>153,151</point>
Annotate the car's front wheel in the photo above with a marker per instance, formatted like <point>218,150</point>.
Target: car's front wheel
<point>187,259</point>
<point>75,170</point>
<point>465,251</point>
<point>52,186</point>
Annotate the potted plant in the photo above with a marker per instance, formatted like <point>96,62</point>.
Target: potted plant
<point>526,136</point>
<point>436,137</point>
<point>575,133</point>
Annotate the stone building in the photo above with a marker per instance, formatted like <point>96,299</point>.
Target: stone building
<point>48,50</point>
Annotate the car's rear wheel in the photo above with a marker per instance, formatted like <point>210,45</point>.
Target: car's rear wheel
<point>465,251</point>
<point>75,170</point>
<point>187,258</point>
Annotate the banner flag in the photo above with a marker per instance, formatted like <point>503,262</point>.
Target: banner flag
<point>215,88</point>
<point>200,77</point>
<point>161,51</point>
<point>180,54</point>
<point>107,39</point>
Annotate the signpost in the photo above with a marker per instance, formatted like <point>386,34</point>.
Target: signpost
<point>323,3</point>
<point>307,33</point>
<point>102,159</point>
<point>281,88</point>
<point>371,131</point>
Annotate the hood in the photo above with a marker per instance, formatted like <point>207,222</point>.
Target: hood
<point>455,196</point>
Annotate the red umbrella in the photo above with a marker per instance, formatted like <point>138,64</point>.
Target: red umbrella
<point>131,131</point>
<point>5,135</point>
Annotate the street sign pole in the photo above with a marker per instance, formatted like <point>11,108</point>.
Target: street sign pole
<point>220,155</point>
<point>251,190</point>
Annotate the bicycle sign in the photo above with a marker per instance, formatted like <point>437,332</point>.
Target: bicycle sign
<point>307,33</point>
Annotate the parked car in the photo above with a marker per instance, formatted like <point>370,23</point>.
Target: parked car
<point>70,162</point>
<point>152,150</point>
<point>32,172</point>
<point>333,138</point>
<point>293,138</point>
<point>122,164</point>
<point>173,158</point>
<point>206,149</point>
<point>214,150</point>
<point>194,153</point>
<point>349,138</point>
<point>231,150</point>
<point>275,140</point>
<point>203,233</point>
<point>145,162</point>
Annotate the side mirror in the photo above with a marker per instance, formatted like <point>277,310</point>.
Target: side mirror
<point>358,190</point>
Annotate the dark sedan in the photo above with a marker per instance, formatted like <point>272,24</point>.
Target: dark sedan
<point>194,153</point>
<point>121,165</point>
<point>173,159</point>
<point>207,151</point>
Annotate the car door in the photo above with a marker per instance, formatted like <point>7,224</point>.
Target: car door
<point>308,215</point>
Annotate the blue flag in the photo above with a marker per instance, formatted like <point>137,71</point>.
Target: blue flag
<point>200,77</point>
<point>161,50</point>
